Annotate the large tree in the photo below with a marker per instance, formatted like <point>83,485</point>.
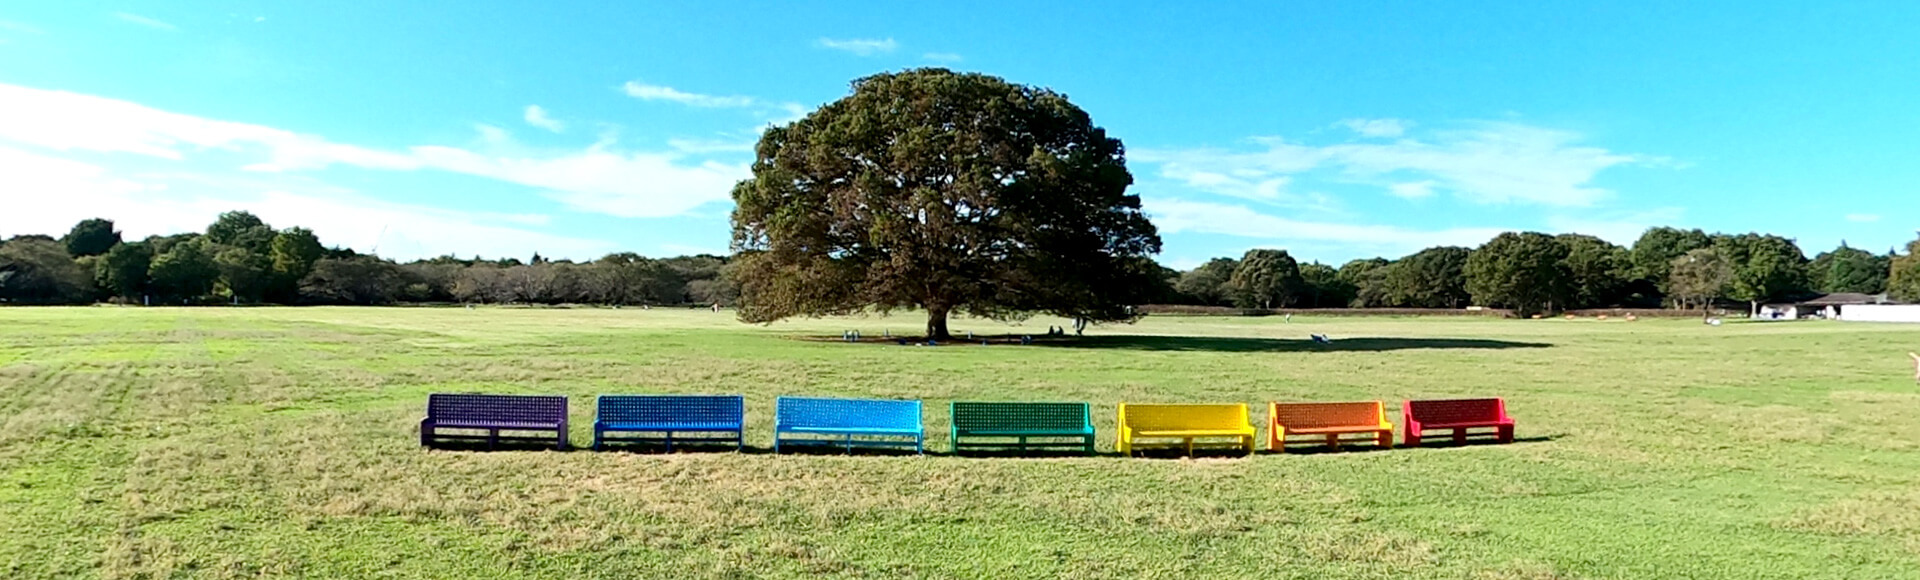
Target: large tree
<point>122,271</point>
<point>1265,279</point>
<point>1903,282</point>
<point>1368,279</point>
<point>1321,287</point>
<point>91,237</point>
<point>1700,276</point>
<point>185,271</point>
<point>1652,255</point>
<point>1765,268</point>
<point>1847,269</point>
<point>1524,271</point>
<point>1598,272</point>
<point>1431,278</point>
<point>39,270</point>
<point>1207,284</point>
<point>943,191</point>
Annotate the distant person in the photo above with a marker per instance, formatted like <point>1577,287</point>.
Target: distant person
<point>1916,366</point>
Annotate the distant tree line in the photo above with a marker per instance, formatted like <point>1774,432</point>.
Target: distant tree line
<point>1535,273</point>
<point>240,259</point>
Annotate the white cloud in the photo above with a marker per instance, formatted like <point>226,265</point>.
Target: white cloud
<point>537,117</point>
<point>1864,218</point>
<point>145,21</point>
<point>630,184</point>
<point>860,46</point>
<point>1413,190</point>
<point>643,91</point>
<point>1177,216</point>
<point>942,57</point>
<point>22,28</point>
<point>1378,127</point>
<point>1488,163</point>
<point>144,204</point>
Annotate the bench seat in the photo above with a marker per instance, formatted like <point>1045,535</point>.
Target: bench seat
<point>638,418</point>
<point>838,422</point>
<point>855,430</point>
<point>1183,424</point>
<point>493,414</point>
<point>1457,415</point>
<point>1326,422</point>
<point>1022,426</point>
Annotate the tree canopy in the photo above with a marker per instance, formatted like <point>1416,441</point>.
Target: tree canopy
<point>1265,279</point>
<point>1903,283</point>
<point>1700,275</point>
<point>1847,269</point>
<point>1523,271</point>
<point>91,237</point>
<point>943,191</point>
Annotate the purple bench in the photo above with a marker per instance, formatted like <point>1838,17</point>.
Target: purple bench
<point>494,414</point>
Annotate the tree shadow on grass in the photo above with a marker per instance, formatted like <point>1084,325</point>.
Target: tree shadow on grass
<point>1249,344</point>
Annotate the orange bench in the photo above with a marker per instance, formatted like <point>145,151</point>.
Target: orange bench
<point>1326,422</point>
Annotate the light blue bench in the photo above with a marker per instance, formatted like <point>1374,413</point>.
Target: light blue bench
<point>848,422</point>
<point>657,418</point>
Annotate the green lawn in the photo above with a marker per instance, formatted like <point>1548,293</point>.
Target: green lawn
<point>281,442</point>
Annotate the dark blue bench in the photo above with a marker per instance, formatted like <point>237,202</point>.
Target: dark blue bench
<point>494,414</point>
<point>666,415</point>
<point>837,422</point>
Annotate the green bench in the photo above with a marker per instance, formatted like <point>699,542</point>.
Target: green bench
<point>1003,426</point>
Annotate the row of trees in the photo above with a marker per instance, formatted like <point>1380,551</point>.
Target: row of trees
<point>1534,272</point>
<point>240,259</point>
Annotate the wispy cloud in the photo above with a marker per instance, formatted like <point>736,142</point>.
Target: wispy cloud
<point>710,146</point>
<point>942,57</point>
<point>860,46</point>
<point>1378,127</point>
<point>599,179</point>
<point>144,21</point>
<point>11,26</point>
<point>1412,190</point>
<point>537,117</point>
<point>1489,162</point>
<point>1175,216</point>
<point>1864,218</point>
<point>647,92</point>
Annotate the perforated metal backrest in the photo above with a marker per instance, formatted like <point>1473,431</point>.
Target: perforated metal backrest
<point>1185,417</point>
<point>481,407</point>
<point>1443,411</point>
<point>984,415</point>
<point>846,413</point>
<point>671,408</point>
<point>1309,415</point>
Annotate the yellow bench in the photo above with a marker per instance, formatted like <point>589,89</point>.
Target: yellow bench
<point>1183,422</point>
<point>1327,421</point>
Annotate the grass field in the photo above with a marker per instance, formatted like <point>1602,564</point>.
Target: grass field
<point>281,442</point>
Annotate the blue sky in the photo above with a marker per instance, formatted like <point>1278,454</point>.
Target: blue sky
<point>1336,131</point>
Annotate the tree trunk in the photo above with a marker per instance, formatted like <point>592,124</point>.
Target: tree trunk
<point>937,323</point>
<point>1753,309</point>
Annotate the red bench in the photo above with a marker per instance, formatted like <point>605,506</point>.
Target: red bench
<point>1457,415</point>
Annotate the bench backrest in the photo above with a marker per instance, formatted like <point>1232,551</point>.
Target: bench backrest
<point>1444,411</point>
<point>1020,416</point>
<point>481,407</point>
<point>1314,415</point>
<point>1183,417</point>
<point>730,409</point>
<point>846,413</point>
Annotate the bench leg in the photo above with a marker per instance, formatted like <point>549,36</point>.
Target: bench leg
<point>920,444</point>
<point>1506,433</point>
<point>1086,444</point>
<point>1189,447</point>
<point>426,435</point>
<point>596,440</point>
<point>1333,441</point>
<point>739,441</point>
<point>849,445</point>
<point>1385,439</point>
<point>493,439</point>
<point>669,442</point>
<point>1460,436</point>
<point>1413,438</point>
<point>1246,443</point>
<point>776,443</point>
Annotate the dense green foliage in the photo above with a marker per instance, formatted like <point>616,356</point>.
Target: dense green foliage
<point>1848,269</point>
<point>1265,279</point>
<point>881,200</point>
<point>1904,282</point>
<point>280,443</point>
<point>1701,275</point>
<point>1523,271</point>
